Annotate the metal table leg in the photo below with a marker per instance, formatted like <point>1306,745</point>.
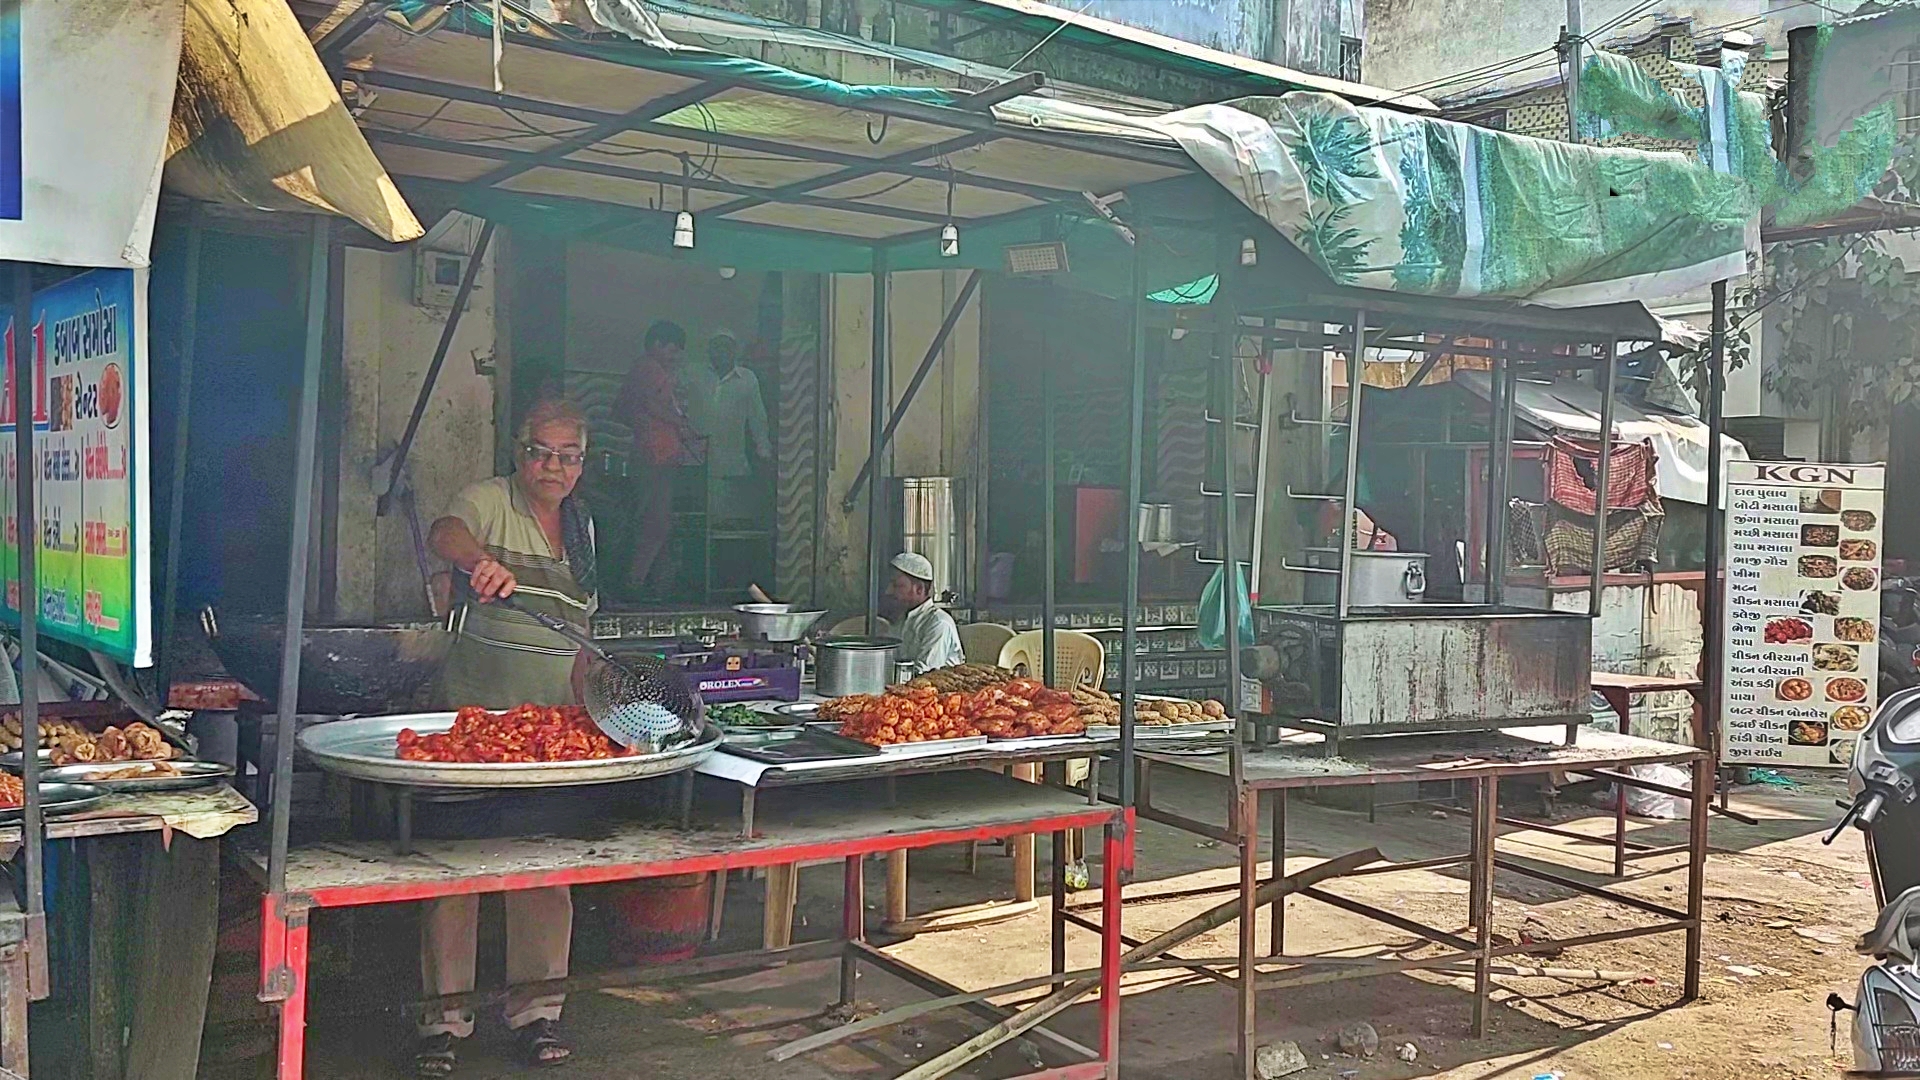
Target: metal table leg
<point>747,792</point>
<point>1059,903</point>
<point>1620,830</point>
<point>403,821</point>
<point>686,799</point>
<point>1247,827</point>
<point>853,923</point>
<point>290,1062</point>
<point>1277,920</point>
<point>1486,812</point>
<point>1703,770</point>
<point>1112,860</point>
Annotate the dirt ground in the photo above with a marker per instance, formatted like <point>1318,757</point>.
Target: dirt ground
<point>1781,911</point>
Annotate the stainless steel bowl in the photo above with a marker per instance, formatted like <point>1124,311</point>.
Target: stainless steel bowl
<point>775,622</point>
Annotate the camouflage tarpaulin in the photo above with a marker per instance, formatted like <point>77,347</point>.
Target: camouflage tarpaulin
<point>1413,204</point>
<point>1732,134</point>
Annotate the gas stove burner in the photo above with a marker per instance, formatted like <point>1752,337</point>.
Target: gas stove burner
<point>732,669</point>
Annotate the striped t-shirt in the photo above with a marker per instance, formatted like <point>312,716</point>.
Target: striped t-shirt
<point>498,515</point>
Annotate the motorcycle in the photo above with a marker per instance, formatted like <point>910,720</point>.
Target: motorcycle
<point>1885,806</point>
<point>1899,645</point>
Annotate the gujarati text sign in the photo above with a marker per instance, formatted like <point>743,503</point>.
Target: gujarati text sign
<point>87,340</point>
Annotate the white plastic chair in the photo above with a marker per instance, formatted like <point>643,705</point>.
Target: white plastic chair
<point>981,642</point>
<point>1078,659</point>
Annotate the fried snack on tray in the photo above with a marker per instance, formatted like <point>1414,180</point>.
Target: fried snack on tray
<point>145,770</point>
<point>521,735</point>
<point>13,793</point>
<point>135,742</point>
<point>52,730</point>
<point>961,679</point>
<point>1012,709</point>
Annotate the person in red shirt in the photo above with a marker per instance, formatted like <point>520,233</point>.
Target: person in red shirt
<point>662,438</point>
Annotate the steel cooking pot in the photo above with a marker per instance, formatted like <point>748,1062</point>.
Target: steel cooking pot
<point>853,665</point>
<point>1385,578</point>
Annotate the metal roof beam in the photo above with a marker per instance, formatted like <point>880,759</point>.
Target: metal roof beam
<point>432,88</point>
<point>658,107</point>
<point>699,183</point>
<point>349,29</point>
<point>618,216</point>
<point>1168,157</point>
<point>799,188</point>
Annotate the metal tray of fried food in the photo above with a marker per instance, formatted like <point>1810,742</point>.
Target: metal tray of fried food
<point>924,746</point>
<point>786,746</point>
<point>180,774</point>
<point>1143,730</point>
<point>365,749</point>
<point>13,763</point>
<point>58,800</point>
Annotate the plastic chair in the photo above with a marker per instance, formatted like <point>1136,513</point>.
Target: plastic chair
<point>981,642</point>
<point>1078,659</point>
<point>855,625</point>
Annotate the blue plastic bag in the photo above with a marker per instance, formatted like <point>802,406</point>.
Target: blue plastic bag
<point>1213,613</point>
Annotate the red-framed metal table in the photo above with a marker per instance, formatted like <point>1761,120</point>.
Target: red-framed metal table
<point>1482,759</point>
<point>847,822</point>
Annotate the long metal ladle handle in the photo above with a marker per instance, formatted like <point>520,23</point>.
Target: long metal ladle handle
<point>555,624</point>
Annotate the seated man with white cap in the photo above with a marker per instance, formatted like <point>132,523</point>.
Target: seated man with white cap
<point>928,636</point>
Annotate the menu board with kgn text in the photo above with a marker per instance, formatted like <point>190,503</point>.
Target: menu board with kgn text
<point>1800,648</point>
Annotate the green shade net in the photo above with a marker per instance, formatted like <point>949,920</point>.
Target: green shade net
<point>1197,291</point>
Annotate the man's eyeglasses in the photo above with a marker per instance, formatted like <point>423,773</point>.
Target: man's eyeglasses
<point>540,455</point>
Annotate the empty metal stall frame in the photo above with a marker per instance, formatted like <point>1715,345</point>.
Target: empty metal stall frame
<point>1354,667</point>
<point>1342,669</point>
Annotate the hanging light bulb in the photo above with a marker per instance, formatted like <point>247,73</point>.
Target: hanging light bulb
<point>683,221</point>
<point>949,233</point>
<point>1249,254</point>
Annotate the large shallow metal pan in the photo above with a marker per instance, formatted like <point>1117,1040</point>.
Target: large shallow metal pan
<point>364,749</point>
<point>344,670</point>
<point>57,800</point>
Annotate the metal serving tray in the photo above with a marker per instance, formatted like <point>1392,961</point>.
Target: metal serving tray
<point>57,800</point>
<point>924,746</point>
<point>790,745</point>
<point>365,750</point>
<point>193,774</point>
<point>13,763</point>
<point>1163,731</point>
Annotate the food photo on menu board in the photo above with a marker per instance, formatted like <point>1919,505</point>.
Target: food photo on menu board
<point>1802,595</point>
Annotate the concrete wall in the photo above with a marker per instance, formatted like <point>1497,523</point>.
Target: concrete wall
<point>1302,34</point>
<point>1646,629</point>
<point>386,344</point>
<point>938,436</point>
<point>1410,42</point>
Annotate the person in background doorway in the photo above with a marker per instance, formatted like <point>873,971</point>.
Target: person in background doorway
<point>928,636</point>
<point>524,536</point>
<point>650,404</point>
<point>737,444</point>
